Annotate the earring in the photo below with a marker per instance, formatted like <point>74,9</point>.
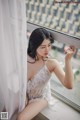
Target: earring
<point>36,58</point>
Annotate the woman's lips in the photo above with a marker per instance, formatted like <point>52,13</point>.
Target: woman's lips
<point>46,53</point>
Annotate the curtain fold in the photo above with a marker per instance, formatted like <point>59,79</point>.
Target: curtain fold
<point>13,55</point>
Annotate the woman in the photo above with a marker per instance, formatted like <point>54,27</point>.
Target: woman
<point>40,68</point>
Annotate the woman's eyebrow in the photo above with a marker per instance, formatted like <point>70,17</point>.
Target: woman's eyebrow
<point>42,45</point>
<point>45,45</point>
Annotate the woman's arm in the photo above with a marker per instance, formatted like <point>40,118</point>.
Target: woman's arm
<point>66,77</point>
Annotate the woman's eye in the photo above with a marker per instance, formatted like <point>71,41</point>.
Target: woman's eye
<point>49,45</point>
<point>45,47</point>
<point>42,47</point>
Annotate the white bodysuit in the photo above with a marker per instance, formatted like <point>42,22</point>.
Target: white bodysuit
<point>39,87</point>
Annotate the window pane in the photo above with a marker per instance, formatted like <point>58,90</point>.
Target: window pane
<point>72,95</point>
<point>63,18</point>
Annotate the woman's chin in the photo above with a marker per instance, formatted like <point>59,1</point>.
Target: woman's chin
<point>45,56</point>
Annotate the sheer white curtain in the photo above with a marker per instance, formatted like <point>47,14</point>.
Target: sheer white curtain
<point>13,55</point>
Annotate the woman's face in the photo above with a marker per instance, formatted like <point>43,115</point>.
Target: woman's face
<point>44,48</point>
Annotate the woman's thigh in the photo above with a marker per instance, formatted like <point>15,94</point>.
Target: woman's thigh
<point>32,109</point>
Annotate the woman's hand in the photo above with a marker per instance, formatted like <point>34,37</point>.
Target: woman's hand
<point>69,51</point>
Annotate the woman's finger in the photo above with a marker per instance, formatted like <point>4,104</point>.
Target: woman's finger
<point>73,48</point>
<point>69,48</point>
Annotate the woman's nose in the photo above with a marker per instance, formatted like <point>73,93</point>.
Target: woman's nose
<point>47,49</point>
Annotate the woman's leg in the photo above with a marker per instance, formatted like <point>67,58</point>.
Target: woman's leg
<point>32,109</point>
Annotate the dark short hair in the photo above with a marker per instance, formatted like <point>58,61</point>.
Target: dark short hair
<point>36,39</point>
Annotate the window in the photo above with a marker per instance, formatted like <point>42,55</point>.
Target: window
<point>72,97</point>
<point>63,22</point>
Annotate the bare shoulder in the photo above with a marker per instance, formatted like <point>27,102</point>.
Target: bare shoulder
<point>52,64</point>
